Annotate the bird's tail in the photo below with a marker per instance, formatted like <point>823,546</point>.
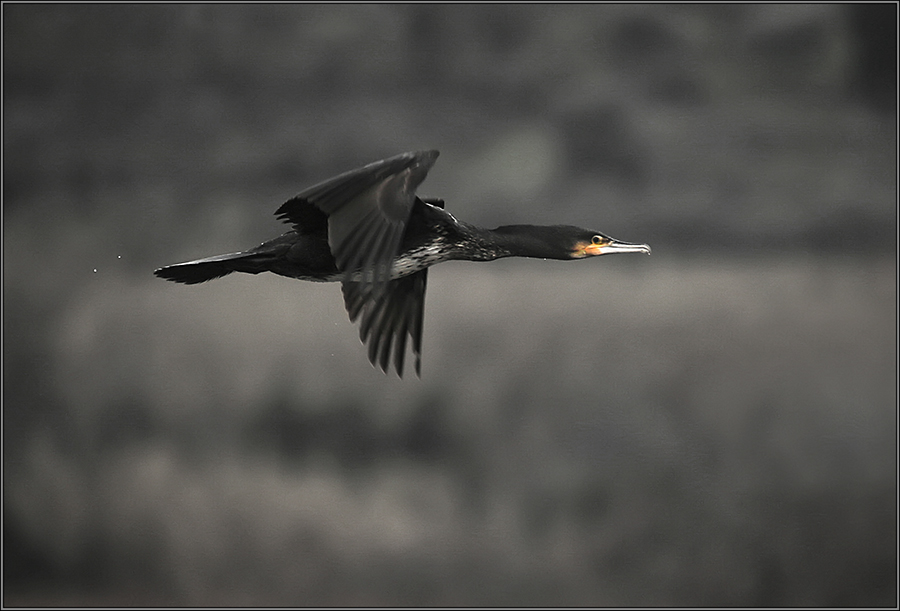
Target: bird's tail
<point>201,270</point>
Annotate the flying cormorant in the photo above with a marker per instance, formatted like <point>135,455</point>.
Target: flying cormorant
<point>368,230</point>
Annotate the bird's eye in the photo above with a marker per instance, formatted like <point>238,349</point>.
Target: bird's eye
<point>597,240</point>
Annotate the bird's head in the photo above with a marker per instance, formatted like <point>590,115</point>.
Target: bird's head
<point>593,243</point>
<point>563,242</point>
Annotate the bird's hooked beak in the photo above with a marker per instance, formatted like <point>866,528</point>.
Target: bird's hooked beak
<point>603,245</point>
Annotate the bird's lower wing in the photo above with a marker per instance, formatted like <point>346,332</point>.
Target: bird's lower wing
<point>388,317</point>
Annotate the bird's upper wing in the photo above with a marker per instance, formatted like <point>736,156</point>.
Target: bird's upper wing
<point>389,317</point>
<point>367,213</point>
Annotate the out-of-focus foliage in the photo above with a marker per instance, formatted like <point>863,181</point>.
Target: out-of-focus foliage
<point>713,425</point>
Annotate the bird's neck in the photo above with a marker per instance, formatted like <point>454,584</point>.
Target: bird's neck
<point>510,241</point>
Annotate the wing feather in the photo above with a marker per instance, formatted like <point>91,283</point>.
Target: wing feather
<point>389,318</point>
<point>368,210</point>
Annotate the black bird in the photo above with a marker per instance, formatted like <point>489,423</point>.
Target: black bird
<point>368,230</point>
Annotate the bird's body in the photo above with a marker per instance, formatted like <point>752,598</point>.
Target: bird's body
<point>368,230</point>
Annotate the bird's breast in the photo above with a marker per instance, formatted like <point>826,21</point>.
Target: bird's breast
<point>419,258</point>
<point>407,263</point>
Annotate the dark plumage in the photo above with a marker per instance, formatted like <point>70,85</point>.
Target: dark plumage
<point>368,230</point>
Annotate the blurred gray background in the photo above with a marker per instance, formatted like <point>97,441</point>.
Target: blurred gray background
<point>711,425</point>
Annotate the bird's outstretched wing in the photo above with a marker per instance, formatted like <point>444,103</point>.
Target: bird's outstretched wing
<point>389,317</point>
<point>367,211</point>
